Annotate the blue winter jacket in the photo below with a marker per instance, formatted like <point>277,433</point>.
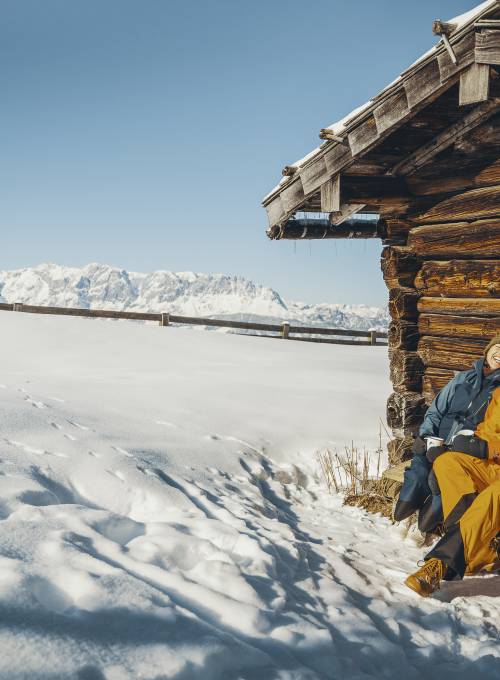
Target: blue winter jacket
<point>460,405</point>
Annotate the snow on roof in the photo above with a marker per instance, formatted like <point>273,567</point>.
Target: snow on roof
<point>462,21</point>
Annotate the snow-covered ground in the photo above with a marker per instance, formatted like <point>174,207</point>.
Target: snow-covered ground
<point>162,515</point>
<point>100,286</point>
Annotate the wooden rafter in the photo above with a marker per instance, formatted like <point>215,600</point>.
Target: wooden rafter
<point>446,138</point>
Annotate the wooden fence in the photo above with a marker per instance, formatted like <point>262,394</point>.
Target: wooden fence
<point>284,330</point>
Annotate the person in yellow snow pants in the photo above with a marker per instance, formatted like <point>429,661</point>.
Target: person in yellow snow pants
<point>469,480</point>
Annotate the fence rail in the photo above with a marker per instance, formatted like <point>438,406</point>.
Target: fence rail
<point>285,330</point>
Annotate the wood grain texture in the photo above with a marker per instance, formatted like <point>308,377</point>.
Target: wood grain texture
<point>459,278</point>
<point>391,110</point>
<point>474,84</point>
<point>456,354</point>
<point>292,195</point>
<point>478,239</point>
<point>488,47</point>
<point>403,303</point>
<point>275,211</point>
<point>484,307</point>
<point>470,205</point>
<point>313,175</point>
<point>454,326</point>
<point>403,335</point>
<point>399,266</point>
<point>406,370</point>
<point>330,195</point>
<point>405,411</point>
<point>422,83</point>
<point>464,51</point>
<point>363,136</point>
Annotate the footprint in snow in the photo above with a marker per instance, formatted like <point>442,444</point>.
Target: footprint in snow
<point>26,448</point>
<point>78,425</point>
<point>56,426</point>
<point>146,471</point>
<point>36,404</point>
<point>122,451</point>
<point>94,454</point>
<point>70,437</point>
<point>117,474</point>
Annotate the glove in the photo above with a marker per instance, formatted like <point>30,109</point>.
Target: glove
<point>419,447</point>
<point>471,445</point>
<point>435,451</point>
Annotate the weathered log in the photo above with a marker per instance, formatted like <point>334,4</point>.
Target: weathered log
<point>320,229</point>
<point>403,303</point>
<point>471,205</point>
<point>459,278</point>
<point>405,411</point>
<point>455,354</point>
<point>457,239</point>
<point>434,380</point>
<point>453,173</point>
<point>394,231</point>
<point>403,335</point>
<point>406,370</point>
<point>487,307</point>
<point>400,449</point>
<point>448,325</point>
<point>399,266</point>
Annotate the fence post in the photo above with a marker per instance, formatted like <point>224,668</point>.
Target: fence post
<point>165,319</point>
<point>18,307</point>
<point>285,330</point>
<point>373,337</point>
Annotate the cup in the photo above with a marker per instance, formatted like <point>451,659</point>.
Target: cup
<point>434,441</point>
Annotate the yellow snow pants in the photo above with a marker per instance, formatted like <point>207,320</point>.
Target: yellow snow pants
<point>470,491</point>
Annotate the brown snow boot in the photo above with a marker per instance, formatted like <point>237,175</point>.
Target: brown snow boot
<point>426,580</point>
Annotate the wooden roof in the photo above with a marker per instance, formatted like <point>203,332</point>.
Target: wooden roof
<point>432,104</point>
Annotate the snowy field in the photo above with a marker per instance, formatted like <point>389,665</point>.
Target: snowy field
<point>162,516</point>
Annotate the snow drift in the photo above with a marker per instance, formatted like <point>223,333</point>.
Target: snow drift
<point>162,516</point>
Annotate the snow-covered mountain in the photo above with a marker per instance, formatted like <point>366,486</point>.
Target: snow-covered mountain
<point>100,286</point>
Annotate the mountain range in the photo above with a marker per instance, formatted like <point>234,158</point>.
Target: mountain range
<point>100,286</point>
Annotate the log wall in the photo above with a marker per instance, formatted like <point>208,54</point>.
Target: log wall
<point>442,269</point>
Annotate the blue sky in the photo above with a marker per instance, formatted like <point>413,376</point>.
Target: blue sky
<point>144,133</point>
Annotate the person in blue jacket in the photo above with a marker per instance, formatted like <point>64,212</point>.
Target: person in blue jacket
<point>460,406</point>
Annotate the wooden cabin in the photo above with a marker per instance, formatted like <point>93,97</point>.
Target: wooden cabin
<point>424,156</point>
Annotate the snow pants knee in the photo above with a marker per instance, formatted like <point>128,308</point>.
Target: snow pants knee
<point>470,490</point>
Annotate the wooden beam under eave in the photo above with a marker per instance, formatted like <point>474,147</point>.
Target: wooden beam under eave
<point>330,195</point>
<point>474,84</point>
<point>426,153</point>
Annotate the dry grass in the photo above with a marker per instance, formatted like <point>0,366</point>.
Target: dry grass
<point>349,473</point>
